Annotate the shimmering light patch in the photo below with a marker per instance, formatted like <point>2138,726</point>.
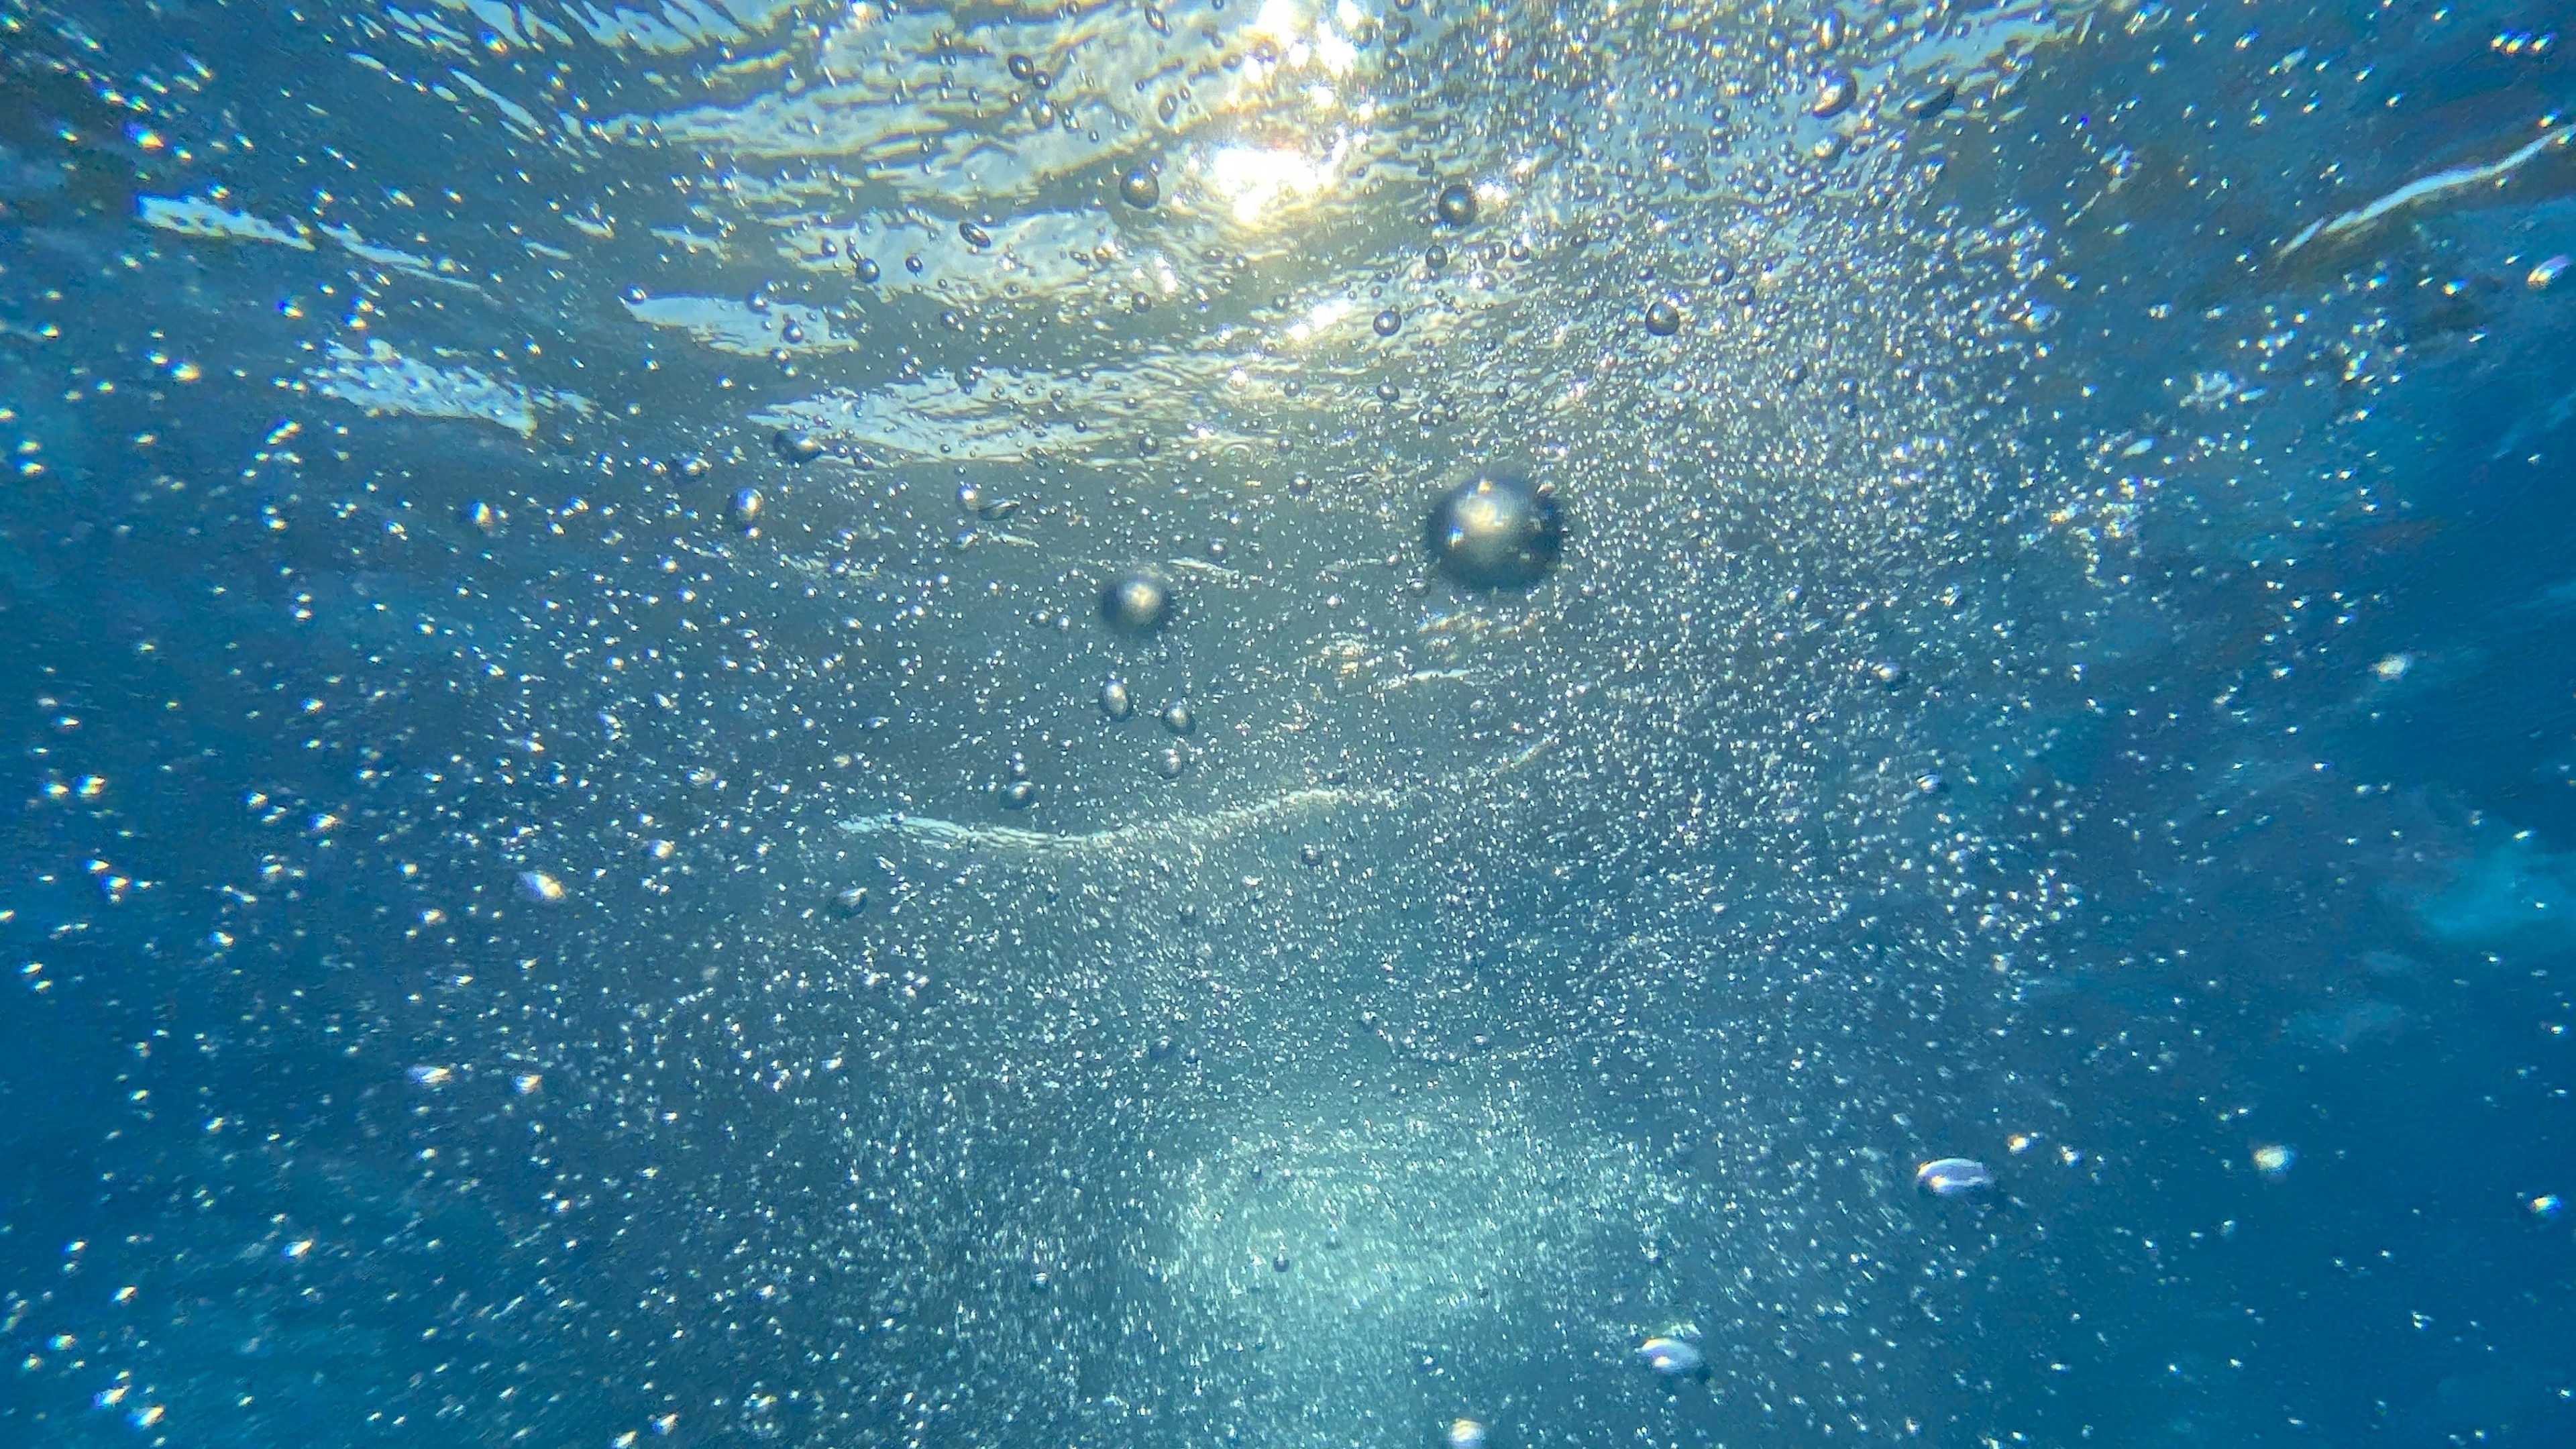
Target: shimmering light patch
<point>935,417</point>
<point>520,117</point>
<point>1321,317</point>
<point>382,380</point>
<point>506,24</point>
<point>2426,188</point>
<point>1254,181</point>
<point>1413,1226</point>
<point>1305,39</point>
<point>209,222</point>
<point>730,326</point>
<point>1188,829</point>
<point>438,270</point>
<point>1041,251</point>
<point>1978,52</point>
<point>1006,414</point>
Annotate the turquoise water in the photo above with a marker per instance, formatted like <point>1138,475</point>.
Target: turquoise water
<point>587,867</point>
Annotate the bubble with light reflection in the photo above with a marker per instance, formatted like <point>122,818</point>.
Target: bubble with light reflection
<point>1496,530</point>
<point>1138,602</point>
<point>1953,1177</point>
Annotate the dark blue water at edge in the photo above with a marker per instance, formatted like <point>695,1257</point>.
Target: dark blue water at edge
<point>420,1031</point>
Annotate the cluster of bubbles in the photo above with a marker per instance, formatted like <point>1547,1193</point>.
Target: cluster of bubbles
<point>1611,615</point>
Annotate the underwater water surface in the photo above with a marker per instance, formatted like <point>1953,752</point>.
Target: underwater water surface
<point>1287,723</point>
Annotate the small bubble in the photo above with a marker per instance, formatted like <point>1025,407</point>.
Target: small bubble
<point>1387,322</point>
<point>1931,101</point>
<point>1953,1177</point>
<point>1456,204</point>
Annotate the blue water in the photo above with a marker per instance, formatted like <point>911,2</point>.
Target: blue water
<point>570,882</point>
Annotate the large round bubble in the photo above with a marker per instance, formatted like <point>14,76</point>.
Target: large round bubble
<point>1495,531</point>
<point>1136,602</point>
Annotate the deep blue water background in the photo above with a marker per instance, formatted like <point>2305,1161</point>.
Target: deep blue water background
<point>2314,903</point>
